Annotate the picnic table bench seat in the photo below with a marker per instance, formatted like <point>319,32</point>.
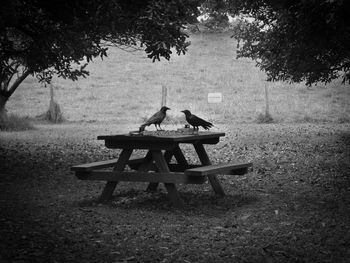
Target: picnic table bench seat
<point>94,171</point>
<point>228,168</point>
<point>84,170</point>
<point>94,165</point>
<point>133,163</point>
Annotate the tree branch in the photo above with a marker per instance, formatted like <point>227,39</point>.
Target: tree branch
<point>14,69</point>
<point>18,81</point>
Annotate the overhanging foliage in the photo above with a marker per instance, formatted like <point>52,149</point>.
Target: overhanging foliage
<point>48,37</point>
<point>293,40</point>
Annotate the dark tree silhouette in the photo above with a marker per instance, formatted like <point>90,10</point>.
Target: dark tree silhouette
<point>293,40</point>
<point>43,38</point>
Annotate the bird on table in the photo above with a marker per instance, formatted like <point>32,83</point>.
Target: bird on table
<point>156,119</point>
<point>196,121</point>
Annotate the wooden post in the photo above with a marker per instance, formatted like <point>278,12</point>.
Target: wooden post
<point>164,95</point>
<point>54,113</point>
<point>267,110</point>
<point>51,92</point>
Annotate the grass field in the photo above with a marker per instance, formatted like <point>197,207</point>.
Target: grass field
<point>126,88</point>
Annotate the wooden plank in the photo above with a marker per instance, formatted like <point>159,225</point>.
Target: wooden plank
<point>154,177</point>
<point>120,165</point>
<point>85,175</point>
<point>152,187</point>
<point>203,141</point>
<point>178,138</point>
<point>180,167</point>
<point>174,167</point>
<point>135,163</point>
<point>230,168</point>
<point>94,165</point>
<point>148,165</point>
<point>158,142</point>
<point>171,188</point>
<point>137,144</point>
<point>179,156</point>
<point>203,157</point>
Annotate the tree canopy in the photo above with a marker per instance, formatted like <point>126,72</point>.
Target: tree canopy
<point>43,37</point>
<point>302,40</point>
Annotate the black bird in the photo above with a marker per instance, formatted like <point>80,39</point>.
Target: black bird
<point>196,121</point>
<point>156,119</point>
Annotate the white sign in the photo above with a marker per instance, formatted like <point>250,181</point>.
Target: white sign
<point>215,97</point>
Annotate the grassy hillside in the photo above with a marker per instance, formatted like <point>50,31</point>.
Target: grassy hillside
<point>126,88</point>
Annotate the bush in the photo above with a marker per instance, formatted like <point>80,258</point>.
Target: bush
<point>13,122</point>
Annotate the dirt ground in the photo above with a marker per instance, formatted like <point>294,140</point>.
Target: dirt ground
<point>294,206</point>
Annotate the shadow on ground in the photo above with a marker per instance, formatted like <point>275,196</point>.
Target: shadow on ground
<point>194,202</point>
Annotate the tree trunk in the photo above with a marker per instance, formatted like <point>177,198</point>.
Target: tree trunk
<point>8,87</point>
<point>3,111</point>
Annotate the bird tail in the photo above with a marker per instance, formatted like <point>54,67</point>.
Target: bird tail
<point>207,125</point>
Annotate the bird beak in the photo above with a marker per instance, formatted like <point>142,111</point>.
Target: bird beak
<point>183,111</point>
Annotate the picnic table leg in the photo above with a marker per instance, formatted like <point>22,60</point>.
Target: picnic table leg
<point>168,155</point>
<point>180,158</point>
<point>152,187</point>
<point>145,166</point>
<point>203,157</point>
<point>171,188</point>
<point>120,165</point>
<point>147,163</point>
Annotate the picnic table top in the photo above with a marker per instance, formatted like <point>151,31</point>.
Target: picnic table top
<point>166,137</point>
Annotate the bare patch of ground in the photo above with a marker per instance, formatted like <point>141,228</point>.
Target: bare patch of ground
<point>293,207</point>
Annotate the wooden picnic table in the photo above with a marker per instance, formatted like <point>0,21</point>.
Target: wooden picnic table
<point>156,167</point>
